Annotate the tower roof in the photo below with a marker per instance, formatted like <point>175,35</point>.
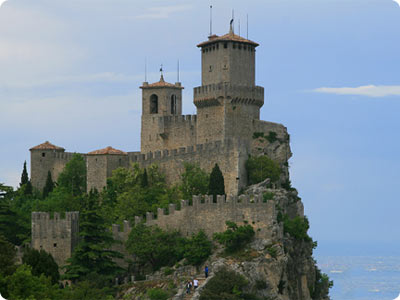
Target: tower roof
<point>108,150</point>
<point>47,146</point>
<point>229,37</point>
<point>161,84</point>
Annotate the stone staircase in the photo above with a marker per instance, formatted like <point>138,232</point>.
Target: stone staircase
<point>192,292</point>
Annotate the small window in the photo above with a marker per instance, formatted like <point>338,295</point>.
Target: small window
<point>217,46</point>
<point>154,104</point>
<point>240,46</point>
<point>234,46</point>
<point>120,162</point>
<point>210,70</point>
<point>203,50</point>
<point>213,47</point>
<point>225,45</point>
<point>55,245</point>
<point>173,105</point>
<point>244,47</point>
<point>43,154</point>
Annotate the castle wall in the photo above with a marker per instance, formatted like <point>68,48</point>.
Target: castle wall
<point>229,154</point>
<point>43,161</point>
<point>168,132</point>
<point>211,217</point>
<point>57,236</point>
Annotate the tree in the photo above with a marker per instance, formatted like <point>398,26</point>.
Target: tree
<point>49,186</point>
<point>73,177</point>
<point>198,248</point>
<point>262,167</point>
<point>216,185</point>
<point>144,180</point>
<point>150,244</point>
<point>235,237</point>
<point>11,225</point>
<point>24,176</point>
<point>225,285</point>
<point>7,263</point>
<point>41,263</point>
<point>92,255</point>
<point>194,181</point>
<point>23,285</point>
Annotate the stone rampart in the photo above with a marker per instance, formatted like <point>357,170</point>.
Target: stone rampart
<point>204,214</point>
<point>56,235</point>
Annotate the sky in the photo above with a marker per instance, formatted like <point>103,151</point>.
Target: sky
<point>70,72</point>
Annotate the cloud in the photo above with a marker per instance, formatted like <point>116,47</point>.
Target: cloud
<point>1,3</point>
<point>162,12</point>
<point>366,90</point>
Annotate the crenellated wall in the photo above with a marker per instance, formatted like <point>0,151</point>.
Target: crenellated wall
<point>56,235</point>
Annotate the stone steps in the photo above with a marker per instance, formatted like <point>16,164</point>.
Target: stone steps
<point>201,282</point>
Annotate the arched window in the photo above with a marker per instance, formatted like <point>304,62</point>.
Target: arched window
<point>153,104</point>
<point>173,104</point>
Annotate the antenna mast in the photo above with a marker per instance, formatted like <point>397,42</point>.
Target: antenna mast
<point>145,69</point>
<point>247,36</point>
<point>233,21</point>
<point>178,71</point>
<point>239,27</point>
<point>210,20</point>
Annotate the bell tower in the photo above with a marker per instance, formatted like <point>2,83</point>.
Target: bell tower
<point>228,99</point>
<point>160,100</point>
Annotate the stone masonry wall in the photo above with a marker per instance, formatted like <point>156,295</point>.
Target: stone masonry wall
<point>57,236</point>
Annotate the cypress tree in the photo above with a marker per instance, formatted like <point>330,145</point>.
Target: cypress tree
<point>92,256</point>
<point>145,180</point>
<point>49,186</point>
<point>28,188</point>
<point>24,176</point>
<point>216,185</point>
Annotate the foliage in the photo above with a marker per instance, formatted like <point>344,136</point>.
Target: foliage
<point>12,225</point>
<point>272,251</point>
<point>271,137</point>
<point>197,249</point>
<point>261,284</point>
<point>216,185</point>
<point>126,196</point>
<point>287,185</point>
<point>194,181</point>
<point>7,257</point>
<point>297,227</point>
<point>235,237</point>
<point>257,135</point>
<point>262,167</point>
<point>88,290</point>
<point>150,244</point>
<point>91,256</point>
<point>157,294</point>
<point>322,285</point>
<point>41,263</point>
<point>23,285</point>
<point>73,177</point>
<point>225,285</point>
<point>49,186</point>
<point>24,176</point>
<point>268,196</point>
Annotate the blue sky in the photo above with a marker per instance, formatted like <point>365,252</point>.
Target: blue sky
<point>70,72</point>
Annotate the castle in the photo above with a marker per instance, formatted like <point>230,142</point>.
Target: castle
<point>223,131</point>
<point>226,130</point>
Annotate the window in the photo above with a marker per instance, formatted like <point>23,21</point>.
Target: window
<point>225,45</point>
<point>43,154</point>
<point>240,46</point>
<point>55,245</point>
<point>173,105</point>
<point>154,104</point>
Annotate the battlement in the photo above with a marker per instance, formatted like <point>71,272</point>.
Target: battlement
<point>208,94</point>
<point>212,147</point>
<point>176,119</point>
<point>55,217</point>
<point>205,214</point>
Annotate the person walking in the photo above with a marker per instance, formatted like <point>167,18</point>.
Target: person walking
<point>206,271</point>
<point>188,287</point>
<point>195,284</point>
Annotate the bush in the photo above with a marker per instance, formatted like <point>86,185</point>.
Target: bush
<point>197,249</point>
<point>157,294</point>
<point>41,263</point>
<point>262,167</point>
<point>297,227</point>
<point>322,285</point>
<point>235,237</point>
<point>272,251</point>
<point>271,137</point>
<point>168,271</point>
<point>268,196</point>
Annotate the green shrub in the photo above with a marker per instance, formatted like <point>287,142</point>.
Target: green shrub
<point>268,196</point>
<point>261,284</point>
<point>262,167</point>
<point>272,251</point>
<point>257,135</point>
<point>197,249</point>
<point>271,137</point>
<point>322,285</point>
<point>235,237</point>
<point>297,227</point>
<point>157,294</point>
<point>168,271</point>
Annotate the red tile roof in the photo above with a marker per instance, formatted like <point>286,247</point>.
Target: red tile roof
<point>161,83</point>
<point>226,38</point>
<point>107,150</point>
<point>47,146</point>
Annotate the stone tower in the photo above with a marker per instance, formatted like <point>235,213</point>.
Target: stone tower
<point>161,101</point>
<point>228,100</point>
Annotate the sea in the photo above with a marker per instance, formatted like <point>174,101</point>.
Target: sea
<point>362,277</point>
